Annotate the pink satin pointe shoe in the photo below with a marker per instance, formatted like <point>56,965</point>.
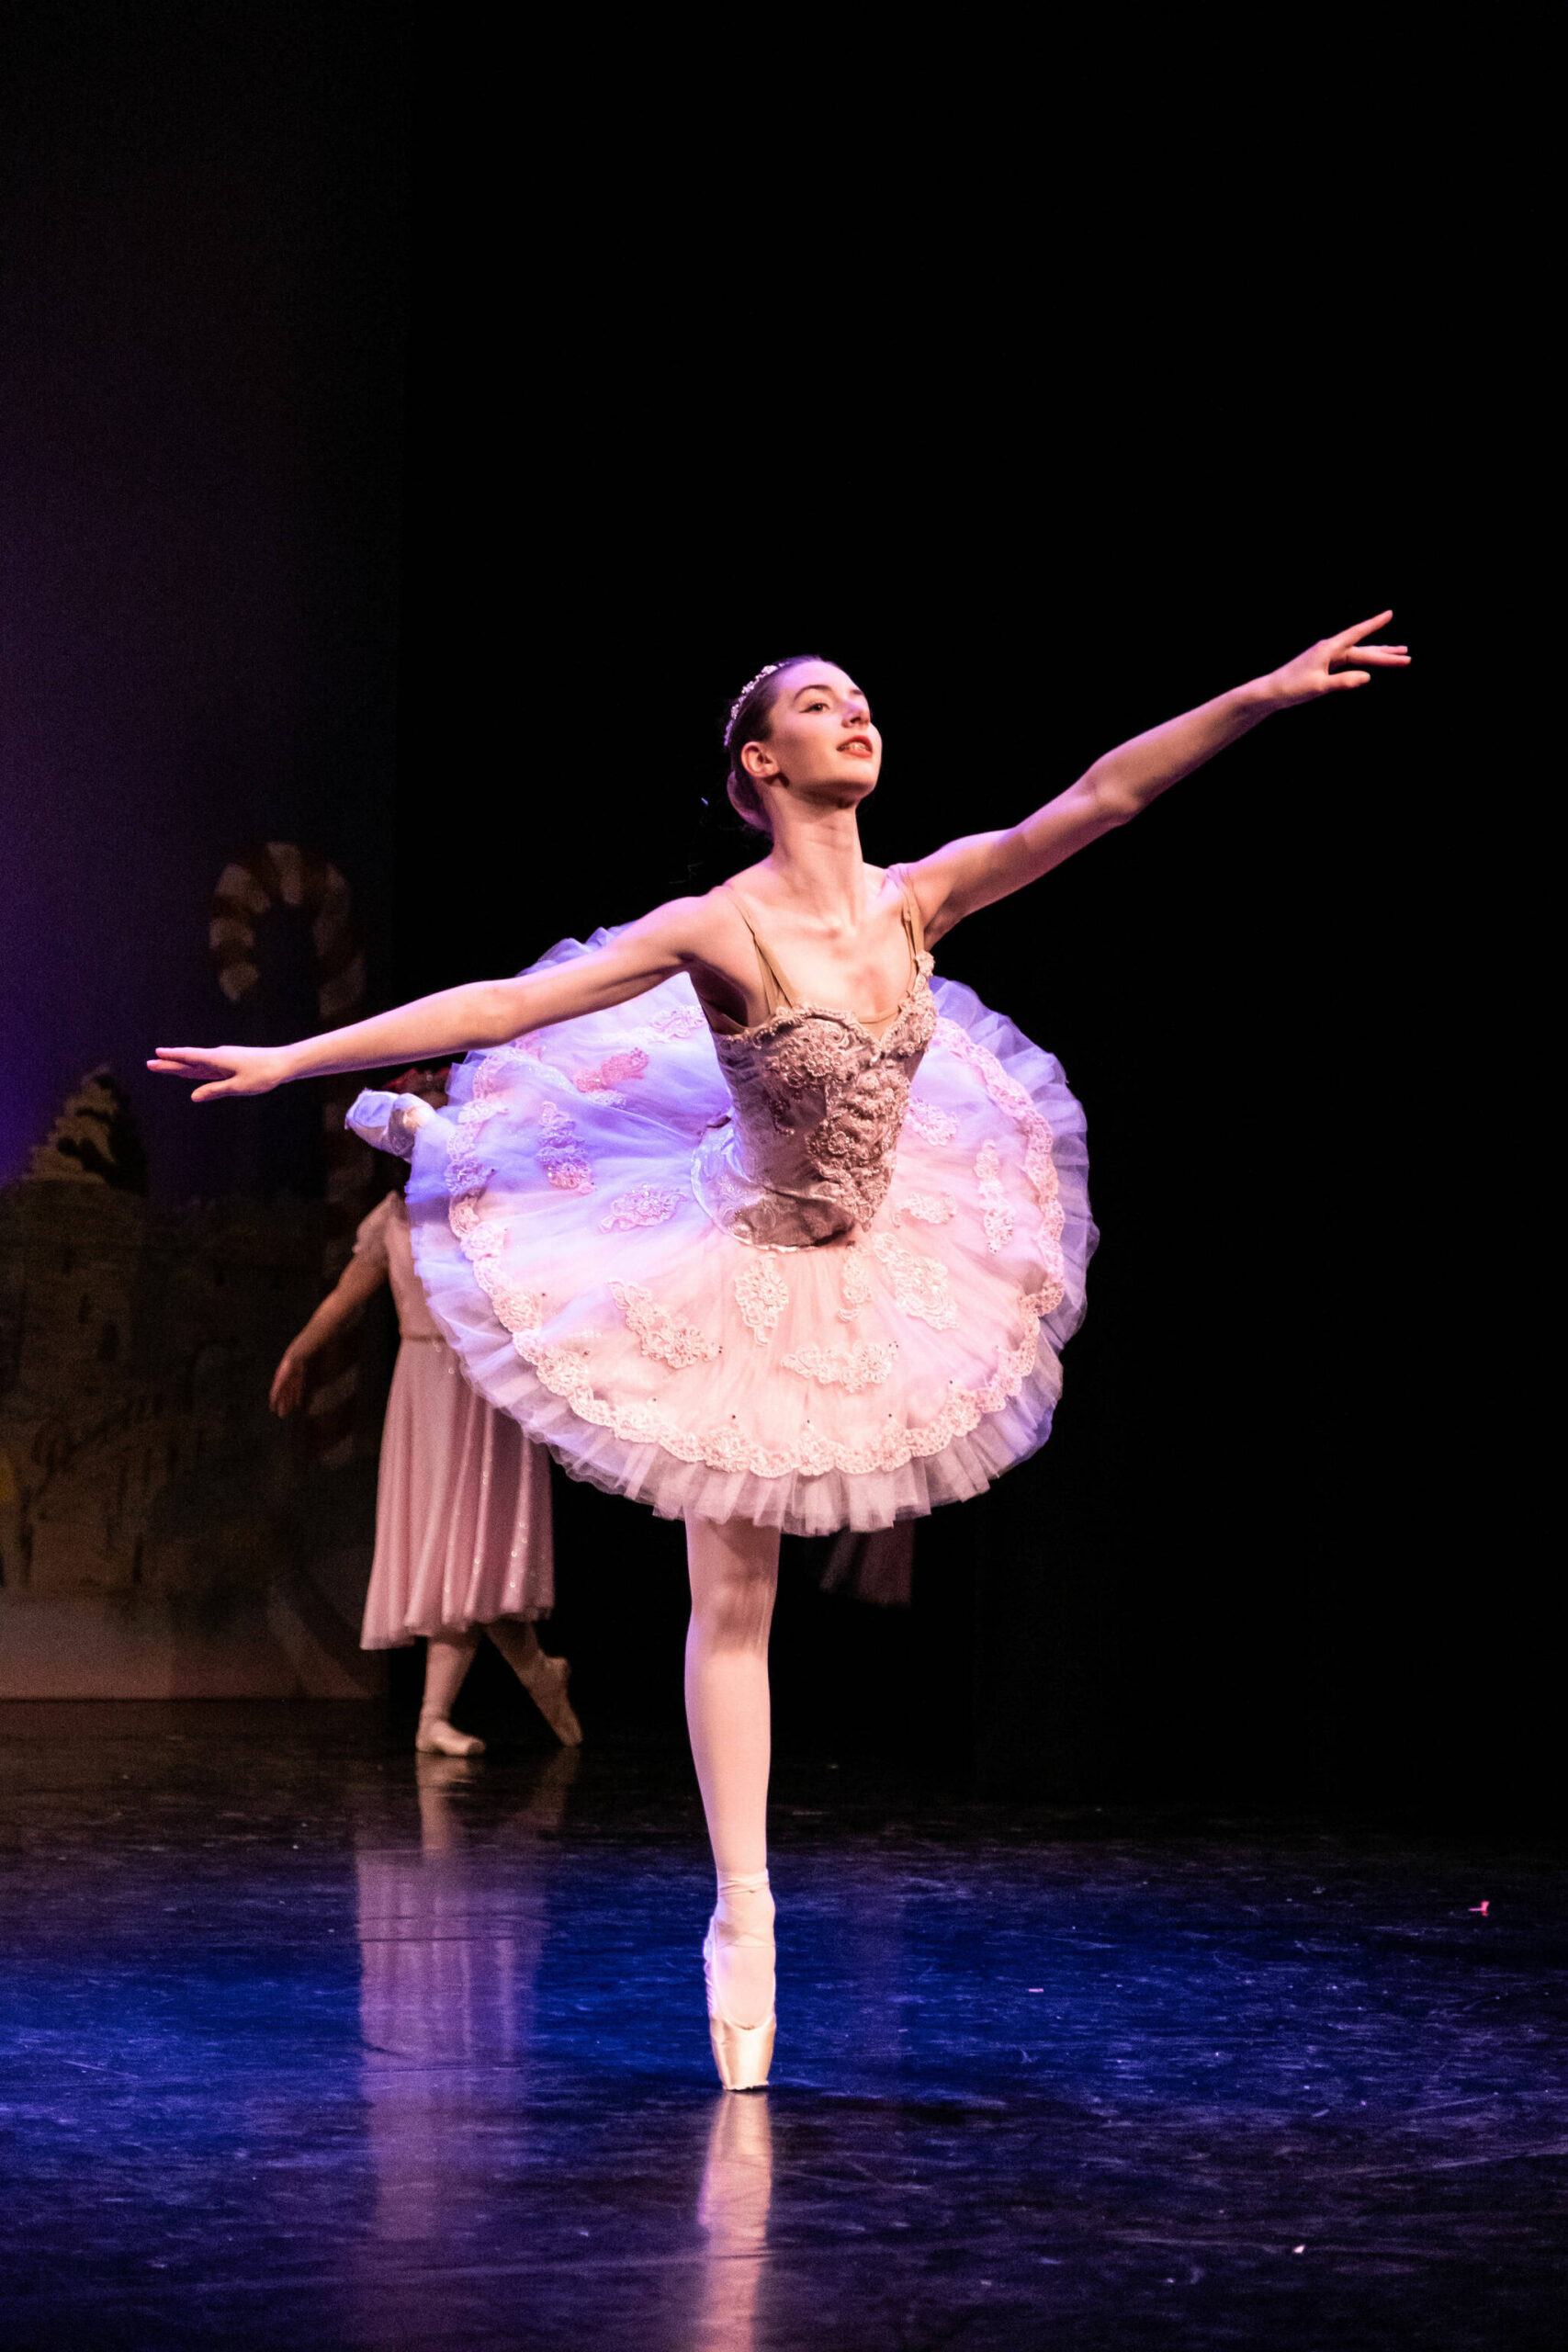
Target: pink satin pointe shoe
<point>437,1737</point>
<point>545,1681</point>
<point>738,1967</point>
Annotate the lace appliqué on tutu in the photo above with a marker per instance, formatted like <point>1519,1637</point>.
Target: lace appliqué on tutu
<point>561,1155</point>
<point>469,1171</point>
<point>997,1213</point>
<point>657,1332</point>
<point>926,1208</point>
<point>645,1204</point>
<point>564,1371</point>
<point>866,1366</point>
<point>854,1283</point>
<point>615,1069</point>
<point>934,1126</point>
<point>919,1284</point>
<point>1039,1161</point>
<point>684,1021</point>
<point>762,1294</point>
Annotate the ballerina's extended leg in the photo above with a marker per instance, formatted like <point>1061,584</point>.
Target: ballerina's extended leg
<point>734,1572</point>
<point>544,1678</point>
<point>446,1660</point>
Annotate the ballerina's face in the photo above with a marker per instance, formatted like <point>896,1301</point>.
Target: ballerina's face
<point>820,739</point>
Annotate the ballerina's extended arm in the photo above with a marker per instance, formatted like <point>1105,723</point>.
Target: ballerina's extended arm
<point>983,867</point>
<point>455,1021</point>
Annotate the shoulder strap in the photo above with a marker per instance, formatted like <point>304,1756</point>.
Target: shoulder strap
<point>775,988</point>
<point>913,921</point>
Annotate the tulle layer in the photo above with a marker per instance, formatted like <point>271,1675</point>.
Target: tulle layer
<point>591,1295</point>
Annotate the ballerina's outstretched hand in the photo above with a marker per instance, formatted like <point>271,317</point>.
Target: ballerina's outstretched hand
<point>1332,664</point>
<point>223,1069</point>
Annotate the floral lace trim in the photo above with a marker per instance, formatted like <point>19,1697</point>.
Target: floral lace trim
<point>484,1244</point>
<point>856,1282</point>
<point>1039,1159</point>
<point>853,1369</point>
<point>660,1333</point>
<point>615,1069</point>
<point>722,1447</point>
<point>996,1210</point>
<point>468,1171</point>
<point>644,1205</point>
<point>681,1020</point>
<point>561,1155</point>
<point>926,1208</point>
<point>492,1072</point>
<point>762,1294</point>
<point>919,1284</point>
<point>936,1126</point>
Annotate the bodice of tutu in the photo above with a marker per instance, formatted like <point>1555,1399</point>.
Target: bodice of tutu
<point>818,1101</point>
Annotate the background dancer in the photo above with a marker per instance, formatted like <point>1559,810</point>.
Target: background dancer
<point>686,1265</point>
<point>463,1536</point>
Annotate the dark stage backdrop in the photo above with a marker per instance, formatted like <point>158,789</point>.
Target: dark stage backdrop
<point>1269,1550</point>
<point>203,232</point>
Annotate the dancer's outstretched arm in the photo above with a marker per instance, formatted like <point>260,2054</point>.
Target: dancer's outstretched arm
<point>456,1020</point>
<point>983,867</point>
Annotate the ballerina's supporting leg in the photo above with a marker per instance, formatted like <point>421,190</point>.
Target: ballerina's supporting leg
<point>734,1571</point>
<point>544,1678</point>
<point>447,1658</point>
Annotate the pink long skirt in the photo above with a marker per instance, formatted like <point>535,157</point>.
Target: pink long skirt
<point>462,1509</point>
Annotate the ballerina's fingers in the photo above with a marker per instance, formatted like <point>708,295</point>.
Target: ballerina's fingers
<point>1345,640</point>
<point>218,1076</point>
<point>1380,657</point>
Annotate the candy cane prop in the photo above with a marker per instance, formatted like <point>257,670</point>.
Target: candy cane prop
<point>281,874</point>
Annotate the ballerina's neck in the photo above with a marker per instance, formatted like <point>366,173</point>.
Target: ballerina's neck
<point>779,996</point>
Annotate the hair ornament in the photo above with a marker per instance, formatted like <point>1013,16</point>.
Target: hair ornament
<point>750,688</point>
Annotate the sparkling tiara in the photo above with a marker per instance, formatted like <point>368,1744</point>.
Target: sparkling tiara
<point>766,672</point>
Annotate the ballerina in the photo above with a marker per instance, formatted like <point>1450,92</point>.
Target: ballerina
<point>744,1215</point>
<point>463,1540</point>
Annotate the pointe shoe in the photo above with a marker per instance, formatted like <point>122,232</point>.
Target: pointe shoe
<point>437,1737</point>
<point>546,1683</point>
<point>742,2054</point>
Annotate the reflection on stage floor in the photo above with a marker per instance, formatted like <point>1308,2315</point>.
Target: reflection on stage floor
<point>307,2043</point>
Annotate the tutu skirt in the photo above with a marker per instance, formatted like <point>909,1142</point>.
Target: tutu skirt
<point>567,1241</point>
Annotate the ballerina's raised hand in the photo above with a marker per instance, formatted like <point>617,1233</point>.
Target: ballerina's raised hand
<point>224,1070</point>
<point>1334,663</point>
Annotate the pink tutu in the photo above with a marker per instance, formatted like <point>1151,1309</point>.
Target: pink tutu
<point>597,1243</point>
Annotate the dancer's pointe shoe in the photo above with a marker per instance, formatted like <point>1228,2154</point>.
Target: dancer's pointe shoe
<point>544,1681</point>
<point>437,1737</point>
<point>742,2054</point>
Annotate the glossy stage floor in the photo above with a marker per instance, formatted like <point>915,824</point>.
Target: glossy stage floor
<point>306,2046</point>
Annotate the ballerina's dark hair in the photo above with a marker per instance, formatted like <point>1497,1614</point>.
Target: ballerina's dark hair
<point>751,721</point>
